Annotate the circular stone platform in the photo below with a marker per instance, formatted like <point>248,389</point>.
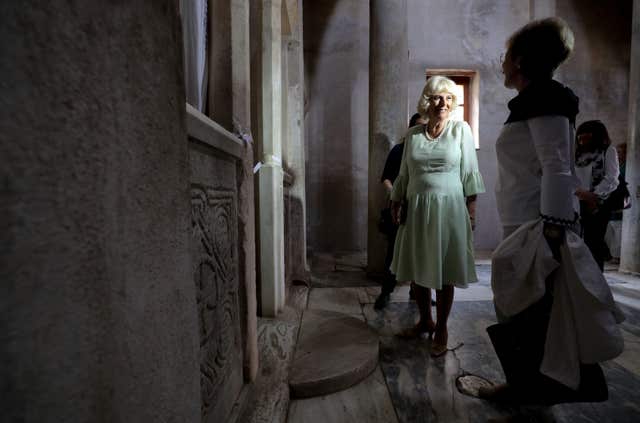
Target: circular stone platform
<point>334,352</point>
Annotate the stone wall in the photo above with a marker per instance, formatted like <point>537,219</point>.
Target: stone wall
<point>598,71</point>
<point>97,297</point>
<point>442,35</point>
<point>225,298</point>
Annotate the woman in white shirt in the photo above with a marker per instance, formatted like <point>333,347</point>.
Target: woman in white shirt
<point>597,168</point>
<point>557,319</point>
<point>536,178</point>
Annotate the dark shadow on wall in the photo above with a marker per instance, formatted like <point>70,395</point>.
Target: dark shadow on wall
<point>336,122</point>
<point>316,17</point>
<point>598,70</point>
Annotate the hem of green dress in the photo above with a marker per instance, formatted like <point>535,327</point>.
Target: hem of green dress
<point>461,285</point>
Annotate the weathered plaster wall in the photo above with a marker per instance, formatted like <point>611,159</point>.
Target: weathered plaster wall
<point>598,71</point>
<point>336,54</point>
<point>97,296</point>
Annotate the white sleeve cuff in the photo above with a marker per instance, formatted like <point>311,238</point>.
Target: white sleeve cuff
<point>557,198</point>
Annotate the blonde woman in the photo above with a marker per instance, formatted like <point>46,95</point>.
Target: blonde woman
<point>437,185</point>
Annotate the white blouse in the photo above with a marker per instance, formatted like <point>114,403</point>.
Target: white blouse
<point>536,174</point>
<point>609,183</point>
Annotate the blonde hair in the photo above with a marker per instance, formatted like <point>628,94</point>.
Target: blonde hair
<point>541,45</point>
<point>436,84</point>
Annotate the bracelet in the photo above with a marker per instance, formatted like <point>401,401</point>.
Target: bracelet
<point>560,221</point>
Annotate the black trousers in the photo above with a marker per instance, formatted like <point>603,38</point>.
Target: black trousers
<point>389,282</point>
<point>594,228</point>
<point>519,343</point>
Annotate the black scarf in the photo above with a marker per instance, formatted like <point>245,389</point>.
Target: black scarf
<point>543,98</point>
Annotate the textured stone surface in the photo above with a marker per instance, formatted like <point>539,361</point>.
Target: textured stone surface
<point>267,117</point>
<point>268,399</point>
<point>219,269</point>
<point>424,389</point>
<point>336,58</point>
<point>293,149</point>
<point>388,109</point>
<point>334,352</point>
<point>97,296</point>
<point>367,401</point>
<point>630,253</point>
<point>340,300</point>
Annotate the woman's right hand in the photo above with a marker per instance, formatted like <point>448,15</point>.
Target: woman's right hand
<point>554,234</point>
<point>396,210</point>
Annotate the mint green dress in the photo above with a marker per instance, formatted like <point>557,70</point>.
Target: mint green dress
<point>434,247</point>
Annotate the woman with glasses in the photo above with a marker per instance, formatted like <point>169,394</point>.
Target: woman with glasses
<point>433,199</point>
<point>556,312</point>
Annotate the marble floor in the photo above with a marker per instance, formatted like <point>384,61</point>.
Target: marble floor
<point>410,386</point>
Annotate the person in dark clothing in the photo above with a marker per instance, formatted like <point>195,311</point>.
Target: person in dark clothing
<point>597,168</point>
<point>389,175</point>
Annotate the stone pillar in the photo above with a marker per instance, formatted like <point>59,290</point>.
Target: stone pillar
<point>97,300</point>
<point>630,252</point>
<point>270,203</point>
<point>241,116</point>
<point>388,108</point>
<point>293,153</point>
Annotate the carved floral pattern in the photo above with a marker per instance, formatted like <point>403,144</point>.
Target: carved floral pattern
<point>214,249</point>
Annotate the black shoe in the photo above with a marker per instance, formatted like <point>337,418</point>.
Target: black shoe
<point>381,301</point>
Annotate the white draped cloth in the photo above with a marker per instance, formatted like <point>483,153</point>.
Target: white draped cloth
<point>583,327</point>
<point>193,14</point>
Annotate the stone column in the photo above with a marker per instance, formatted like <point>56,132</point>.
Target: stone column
<point>98,309</point>
<point>293,153</point>
<point>270,203</point>
<point>241,116</point>
<point>630,253</point>
<point>388,108</point>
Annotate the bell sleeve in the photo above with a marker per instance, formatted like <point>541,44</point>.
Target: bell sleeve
<point>472,182</point>
<point>553,141</point>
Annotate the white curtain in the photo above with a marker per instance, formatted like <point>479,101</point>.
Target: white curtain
<point>194,32</point>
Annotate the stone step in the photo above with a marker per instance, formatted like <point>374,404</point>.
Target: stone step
<point>334,351</point>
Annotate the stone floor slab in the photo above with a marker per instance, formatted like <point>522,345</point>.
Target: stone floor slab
<point>422,389</point>
<point>340,300</point>
<point>368,401</point>
<point>334,352</point>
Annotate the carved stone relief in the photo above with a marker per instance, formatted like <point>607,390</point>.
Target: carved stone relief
<point>214,251</point>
